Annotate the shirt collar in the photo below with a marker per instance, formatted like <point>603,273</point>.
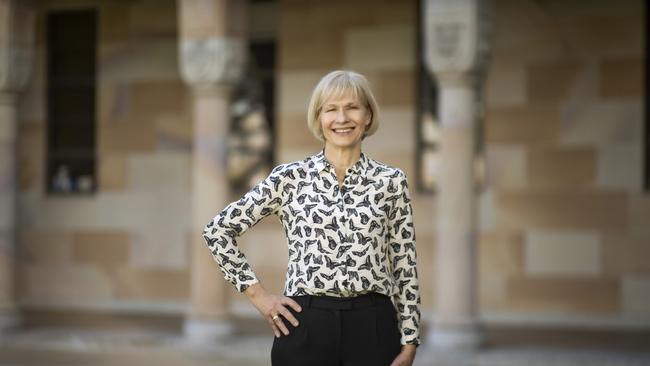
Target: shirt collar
<point>321,163</point>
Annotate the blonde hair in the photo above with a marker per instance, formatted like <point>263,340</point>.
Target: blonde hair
<point>336,84</point>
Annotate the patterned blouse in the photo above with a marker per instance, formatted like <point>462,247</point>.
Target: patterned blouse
<point>343,240</point>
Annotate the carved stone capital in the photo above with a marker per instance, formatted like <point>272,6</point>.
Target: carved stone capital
<point>209,62</point>
<point>16,44</point>
<point>456,36</point>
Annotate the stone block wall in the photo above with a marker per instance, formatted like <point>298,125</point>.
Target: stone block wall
<point>563,214</point>
<point>124,248</point>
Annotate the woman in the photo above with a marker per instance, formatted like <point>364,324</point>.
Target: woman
<point>351,295</point>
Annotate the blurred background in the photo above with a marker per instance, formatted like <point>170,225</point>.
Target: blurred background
<point>126,125</point>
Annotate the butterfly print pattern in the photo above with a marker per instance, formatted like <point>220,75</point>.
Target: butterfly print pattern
<point>343,240</point>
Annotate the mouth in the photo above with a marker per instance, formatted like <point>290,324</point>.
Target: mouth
<point>343,131</point>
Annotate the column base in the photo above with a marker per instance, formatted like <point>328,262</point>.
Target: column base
<point>207,332</point>
<point>455,338</point>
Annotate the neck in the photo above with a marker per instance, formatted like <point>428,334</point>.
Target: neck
<point>342,159</point>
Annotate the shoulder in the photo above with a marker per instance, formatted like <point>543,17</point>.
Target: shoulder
<point>379,169</point>
<point>393,177</point>
<point>291,169</point>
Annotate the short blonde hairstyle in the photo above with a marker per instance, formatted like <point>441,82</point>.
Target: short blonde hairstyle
<point>336,84</point>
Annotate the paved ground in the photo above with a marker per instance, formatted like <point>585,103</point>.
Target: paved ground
<point>77,348</point>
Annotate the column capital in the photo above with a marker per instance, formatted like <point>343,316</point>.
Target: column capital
<point>211,61</point>
<point>17,23</point>
<point>212,42</point>
<point>456,34</point>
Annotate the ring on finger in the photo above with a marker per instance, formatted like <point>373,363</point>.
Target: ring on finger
<point>275,317</point>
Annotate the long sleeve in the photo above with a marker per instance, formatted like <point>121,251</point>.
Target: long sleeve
<point>221,233</point>
<point>403,260</point>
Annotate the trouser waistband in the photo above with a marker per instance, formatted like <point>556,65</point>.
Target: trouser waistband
<point>340,303</point>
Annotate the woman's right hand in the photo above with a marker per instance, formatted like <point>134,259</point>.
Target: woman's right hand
<point>273,306</point>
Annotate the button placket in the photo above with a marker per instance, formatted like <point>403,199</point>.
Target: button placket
<point>345,191</point>
<point>339,193</point>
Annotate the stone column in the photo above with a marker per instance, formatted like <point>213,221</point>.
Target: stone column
<point>454,54</point>
<point>16,52</point>
<point>212,51</point>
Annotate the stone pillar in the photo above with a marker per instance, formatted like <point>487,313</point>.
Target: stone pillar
<point>454,54</point>
<point>16,52</point>
<point>212,51</point>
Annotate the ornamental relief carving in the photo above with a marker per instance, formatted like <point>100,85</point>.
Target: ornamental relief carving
<point>452,45</point>
<point>447,39</point>
<point>212,60</point>
<point>455,35</point>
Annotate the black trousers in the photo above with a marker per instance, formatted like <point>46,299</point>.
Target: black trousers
<point>333,331</point>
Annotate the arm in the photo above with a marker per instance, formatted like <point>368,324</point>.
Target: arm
<point>221,233</point>
<point>402,256</point>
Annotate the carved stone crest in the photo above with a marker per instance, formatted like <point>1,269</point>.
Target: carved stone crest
<point>447,39</point>
<point>454,32</point>
<point>210,61</point>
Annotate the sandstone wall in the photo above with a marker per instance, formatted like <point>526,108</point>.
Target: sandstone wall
<point>124,248</point>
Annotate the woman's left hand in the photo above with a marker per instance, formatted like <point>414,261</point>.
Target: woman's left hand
<point>405,357</point>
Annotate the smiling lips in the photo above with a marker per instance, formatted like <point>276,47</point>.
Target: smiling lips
<point>343,130</point>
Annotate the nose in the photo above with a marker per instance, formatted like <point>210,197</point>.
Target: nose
<point>340,115</point>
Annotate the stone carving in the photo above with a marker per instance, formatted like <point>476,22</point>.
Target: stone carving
<point>210,61</point>
<point>447,39</point>
<point>454,32</point>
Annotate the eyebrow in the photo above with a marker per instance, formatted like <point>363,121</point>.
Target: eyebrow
<point>334,105</point>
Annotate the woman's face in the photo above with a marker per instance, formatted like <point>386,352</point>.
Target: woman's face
<point>344,121</point>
